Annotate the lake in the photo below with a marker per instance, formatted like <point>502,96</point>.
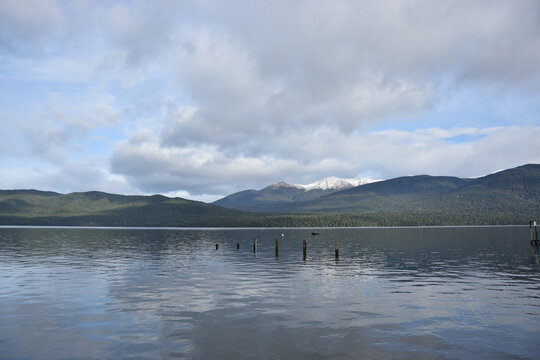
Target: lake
<point>407,293</point>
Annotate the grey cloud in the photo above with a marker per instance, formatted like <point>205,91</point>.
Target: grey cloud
<point>143,29</point>
<point>390,153</point>
<point>198,170</point>
<point>24,25</point>
<point>240,94</point>
<point>413,38</point>
<point>313,46</point>
<point>274,68</point>
<point>139,28</point>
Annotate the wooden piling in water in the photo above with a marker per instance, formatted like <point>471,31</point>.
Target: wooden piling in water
<point>304,250</point>
<point>533,236</point>
<point>336,251</point>
<point>255,245</point>
<point>237,246</point>
<point>277,247</point>
<point>217,246</point>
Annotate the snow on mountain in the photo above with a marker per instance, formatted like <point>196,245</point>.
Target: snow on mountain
<point>329,183</point>
<point>283,184</point>
<point>336,183</point>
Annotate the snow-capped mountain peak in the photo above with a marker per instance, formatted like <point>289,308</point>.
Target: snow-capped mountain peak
<point>329,183</point>
<point>283,184</point>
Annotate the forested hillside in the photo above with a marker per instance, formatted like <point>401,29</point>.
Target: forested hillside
<point>507,197</point>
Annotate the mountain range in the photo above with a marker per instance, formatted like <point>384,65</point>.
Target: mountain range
<point>507,197</point>
<point>513,191</point>
<point>265,199</point>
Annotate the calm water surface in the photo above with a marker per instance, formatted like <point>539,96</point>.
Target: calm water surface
<point>411,293</point>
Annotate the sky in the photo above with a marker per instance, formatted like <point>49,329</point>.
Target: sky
<point>200,99</point>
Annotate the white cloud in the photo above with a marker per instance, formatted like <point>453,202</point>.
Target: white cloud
<point>198,170</point>
<point>65,178</point>
<point>62,126</point>
<point>211,97</point>
<point>431,151</point>
<point>205,170</point>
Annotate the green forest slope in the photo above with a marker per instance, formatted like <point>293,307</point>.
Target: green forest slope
<point>507,197</point>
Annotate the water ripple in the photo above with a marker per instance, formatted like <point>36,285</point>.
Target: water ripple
<point>392,293</point>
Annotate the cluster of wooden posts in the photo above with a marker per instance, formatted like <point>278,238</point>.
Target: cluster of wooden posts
<point>304,248</point>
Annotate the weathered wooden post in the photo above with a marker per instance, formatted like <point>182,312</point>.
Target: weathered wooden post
<point>237,246</point>
<point>254,245</point>
<point>530,232</point>
<point>277,247</point>
<point>217,246</point>
<point>337,249</point>
<point>304,250</point>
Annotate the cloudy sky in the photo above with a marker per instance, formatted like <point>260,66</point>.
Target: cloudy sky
<point>200,99</point>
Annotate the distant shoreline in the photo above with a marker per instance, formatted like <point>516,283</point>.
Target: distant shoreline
<point>508,197</point>
<point>187,228</point>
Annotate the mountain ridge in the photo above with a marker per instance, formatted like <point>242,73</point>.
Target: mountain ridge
<point>510,196</point>
<point>412,194</point>
<point>282,192</point>
<point>520,187</point>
